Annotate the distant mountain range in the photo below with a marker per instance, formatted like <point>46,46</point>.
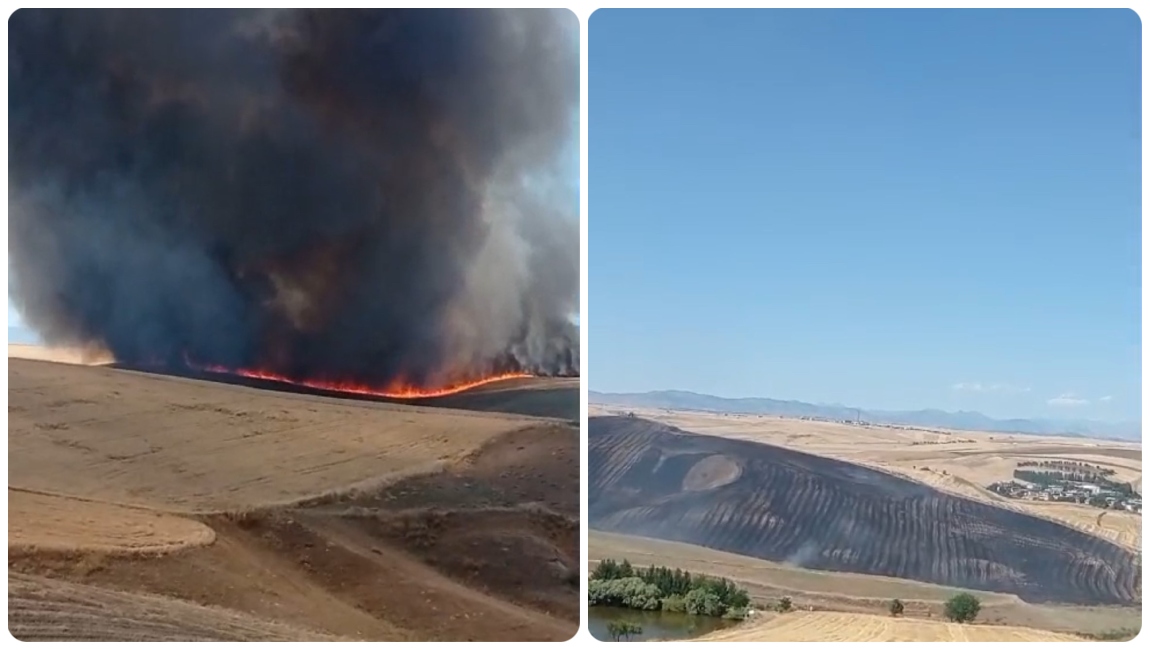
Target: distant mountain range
<point>930,418</point>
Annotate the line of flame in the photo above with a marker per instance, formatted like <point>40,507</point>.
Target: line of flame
<point>397,390</point>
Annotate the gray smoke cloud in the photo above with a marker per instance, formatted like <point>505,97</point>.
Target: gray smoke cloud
<point>328,194</point>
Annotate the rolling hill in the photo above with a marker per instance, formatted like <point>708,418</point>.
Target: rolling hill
<point>783,505</point>
<point>152,507</point>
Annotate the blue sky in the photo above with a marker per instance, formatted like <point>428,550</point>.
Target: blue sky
<point>888,209</point>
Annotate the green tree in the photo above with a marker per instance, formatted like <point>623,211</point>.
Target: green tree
<point>962,608</point>
<point>620,584</point>
<point>630,592</point>
<point>620,630</point>
<point>674,603</point>
<point>702,602</point>
<point>625,569</point>
<point>896,607</point>
<point>784,605</point>
<point>606,570</point>
<point>640,595</point>
<point>739,599</point>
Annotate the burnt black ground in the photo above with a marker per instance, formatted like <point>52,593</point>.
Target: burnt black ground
<point>549,397</point>
<point>825,514</point>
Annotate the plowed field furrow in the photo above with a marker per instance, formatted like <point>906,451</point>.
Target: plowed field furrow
<point>966,547</point>
<point>902,542</point>
<point>742,528</point>
<point>917,532</point>
<point>713,523</point>
<point>798,498</point>
<point>820,513</point>
<point>906,541</point>
<point>743,517</point>
<point>954,573</point>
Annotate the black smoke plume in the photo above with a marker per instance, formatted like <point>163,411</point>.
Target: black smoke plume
<point>343,195</point>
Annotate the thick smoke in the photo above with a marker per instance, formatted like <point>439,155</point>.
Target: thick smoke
<point>353,195</point>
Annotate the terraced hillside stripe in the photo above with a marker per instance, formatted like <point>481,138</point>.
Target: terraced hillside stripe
<point>787,506</point>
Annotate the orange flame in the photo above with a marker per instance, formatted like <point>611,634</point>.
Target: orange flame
<point>396,390</point>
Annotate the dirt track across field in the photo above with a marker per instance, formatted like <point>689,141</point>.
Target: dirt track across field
<point>215,511</point>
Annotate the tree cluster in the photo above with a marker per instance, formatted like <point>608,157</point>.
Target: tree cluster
<point>1057,477</point>
<point>619,584</point>
<point>1072,465</point>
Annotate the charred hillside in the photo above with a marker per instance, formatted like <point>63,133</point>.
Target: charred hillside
<point>778,504</point>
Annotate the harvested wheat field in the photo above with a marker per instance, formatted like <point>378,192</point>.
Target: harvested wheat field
<point>200,446</point>
<point>51,522</point>
<point>42,609</point>
<point>218,511</point>
<point>814,512</point>
<point>839,626</point>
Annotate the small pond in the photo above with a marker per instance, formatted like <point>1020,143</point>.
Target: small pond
<point>656,625</point>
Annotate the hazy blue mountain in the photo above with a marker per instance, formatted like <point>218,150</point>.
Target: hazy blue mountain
<point>968,420</point>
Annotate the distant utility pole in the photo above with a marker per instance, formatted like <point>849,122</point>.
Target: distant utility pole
<point>858,416</point>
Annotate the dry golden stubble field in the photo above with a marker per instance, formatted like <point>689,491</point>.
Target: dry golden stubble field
<point>851,627</point>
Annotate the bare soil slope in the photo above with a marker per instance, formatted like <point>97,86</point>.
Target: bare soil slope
<point>322,516</point>
<point>826,514</point>
<point>840,626</point>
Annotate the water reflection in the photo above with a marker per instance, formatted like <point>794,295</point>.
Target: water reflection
<point>656,625</point>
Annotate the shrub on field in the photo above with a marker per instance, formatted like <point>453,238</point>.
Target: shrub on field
<point>962,608</point>
<point>896,607</point>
